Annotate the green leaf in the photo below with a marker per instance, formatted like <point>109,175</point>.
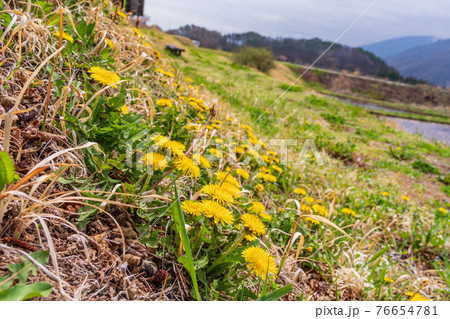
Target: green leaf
<point>245,294</point>
<point>377,255</point>
<point>277,294</point>
<point>181,228</point>
<point>7,173</point>
<point>24,292</point>
<point>40,256</point>
<point>22,273</point>
<point>23,269</point>
<point>7,283</point>
<point>200,263</point>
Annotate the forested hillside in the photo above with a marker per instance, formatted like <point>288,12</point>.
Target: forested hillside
<point>299,51</point>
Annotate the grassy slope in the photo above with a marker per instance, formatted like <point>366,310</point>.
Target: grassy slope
<point>379,159</point>
<point>250,92</point>
<point>402,239</point>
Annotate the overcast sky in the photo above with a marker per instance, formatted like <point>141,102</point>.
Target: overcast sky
<point>325,19</point>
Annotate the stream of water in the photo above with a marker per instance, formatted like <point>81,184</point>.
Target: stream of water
<point>429,130</point>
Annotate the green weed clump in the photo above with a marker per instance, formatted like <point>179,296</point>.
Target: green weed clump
<point>425,167</point>
<point>259,58</point>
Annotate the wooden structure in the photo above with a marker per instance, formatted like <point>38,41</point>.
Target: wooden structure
<point>174,49</point>
<point>135,7</point>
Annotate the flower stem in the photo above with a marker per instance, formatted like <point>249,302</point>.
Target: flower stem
<point>219,260</point>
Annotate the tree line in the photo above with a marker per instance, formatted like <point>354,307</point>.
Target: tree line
<point>299,51</point>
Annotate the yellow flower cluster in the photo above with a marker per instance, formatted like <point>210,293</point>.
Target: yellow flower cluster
<point>65,36</point>
<point>348,211</point>
<point>267,177</point>
<point>164,102</point>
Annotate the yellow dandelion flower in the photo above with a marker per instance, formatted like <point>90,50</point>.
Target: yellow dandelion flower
<point>253,224</point>
<point>187,167</point>
<point>216,211</point>
<point>242,172</point>
<point>259,262</point>
<point>277,168</point>
<point>239,150</point>
<point>299,191</point>
<point>309,199</point>
<point>309,249</point>
<point>231,189</point>
<point>124,109</point>
<point>259,187</point>
<point>175,147</point>
<point>192,127</point>
<point>416,297</point>
<point>229,119</point>
<point>138,33</point>
<point>157,160</point>
<point>264,169</point>
<point>265,216</point>
<point>200,159</point>
<point>305,208</point>
<point>348,211</point>
<point>103,76</point>
<point>196,106</point>
<point>160,140</point>
<point>218,193</point>
<point>257,208</point>
<point>267,177</point>
<point>110,43</point>
<point>313,221</point>
<point>228,178</point>
<point>191,207</point>
<point>442,210</point>
<point>275,159</point>
<point>253,140</point>
<point>218,141</point>
<point>201,116</point>
<point>215,152</point>
<point>164,102</point>
<point>266,159</point>
<point>250,237</point>
<point>406,198</point>
<point>385,194</point>
<point>65,36</point>
<point>273,153</point>
<point>320,210</point>
<point>121,14</point>
<point>253,153</point>
<point>169,74</point>
<point>389,280</point>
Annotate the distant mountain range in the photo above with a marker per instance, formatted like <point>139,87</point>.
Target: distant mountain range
<point>425,58</point>
<point>388,48</point>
